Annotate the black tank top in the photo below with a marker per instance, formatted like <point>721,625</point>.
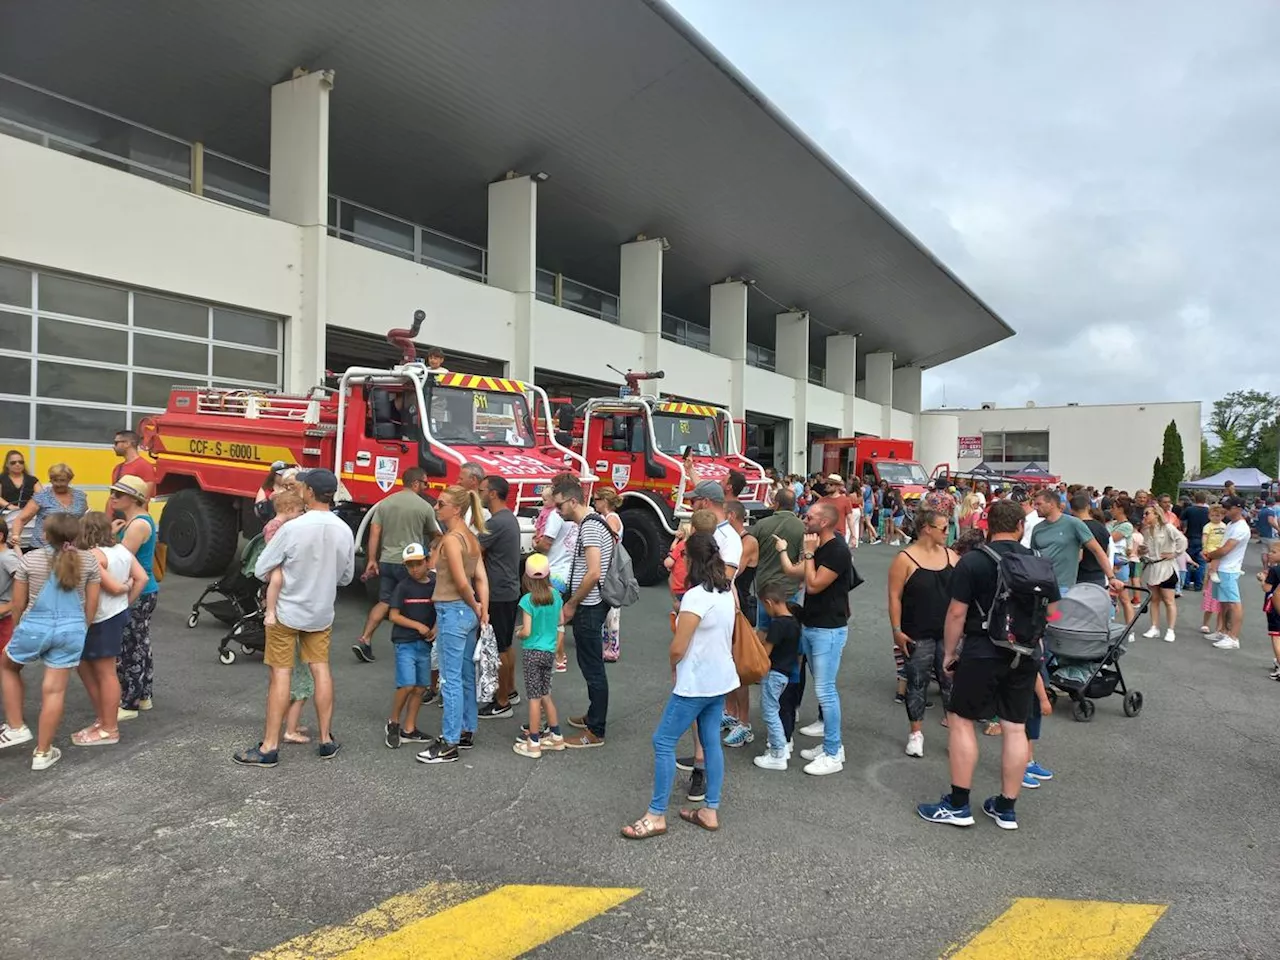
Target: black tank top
<point>12,493</point>
<point>925,598</point>
<point>743,582</point>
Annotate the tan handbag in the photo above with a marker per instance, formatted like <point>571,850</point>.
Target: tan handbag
<point>749,654</point>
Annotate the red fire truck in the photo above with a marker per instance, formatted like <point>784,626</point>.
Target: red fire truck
<point>635,444</point>
<point>874,460</point>
<point>214,447</point>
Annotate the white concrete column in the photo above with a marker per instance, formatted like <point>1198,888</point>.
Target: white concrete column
<point>640,293</point>
<point>842,374</point>
<point>791,346</point>
<point>908,389</point>
<point>879,380</point>
<point>300,195</point>
<point>512,260</point>
<point>729,338</point>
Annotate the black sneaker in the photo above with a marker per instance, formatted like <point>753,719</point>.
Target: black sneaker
<point>363,652</point>
<point>429,694</point>
<point>467,740</point>
<point>899,698</point>
<point>491,711</point>
<point>392,739</point>
<point>513,699</point>
<point>414,736</point>
<point>698,786</point>
<point>440,751</point>
<point>328,749</point>
<point>684,763</point>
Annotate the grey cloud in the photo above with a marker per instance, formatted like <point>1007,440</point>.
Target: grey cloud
<point>1100,173</point>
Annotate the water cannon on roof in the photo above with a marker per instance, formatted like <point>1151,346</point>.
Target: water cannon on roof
<point>403,338</point>
<point>634,379</point>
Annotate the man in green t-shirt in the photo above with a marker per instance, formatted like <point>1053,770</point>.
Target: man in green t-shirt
<point>783,523</point>
<point>403,518</point>
<point>1060,538</point>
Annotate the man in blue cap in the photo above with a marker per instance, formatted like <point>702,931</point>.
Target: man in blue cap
<point>317,553</point>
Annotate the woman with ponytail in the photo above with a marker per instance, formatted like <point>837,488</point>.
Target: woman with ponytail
<point>55,598</point>
<point>462,605</point>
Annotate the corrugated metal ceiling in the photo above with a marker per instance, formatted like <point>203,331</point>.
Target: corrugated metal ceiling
<point>642,128</point>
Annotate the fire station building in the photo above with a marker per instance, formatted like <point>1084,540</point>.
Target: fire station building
<point>250,194</point>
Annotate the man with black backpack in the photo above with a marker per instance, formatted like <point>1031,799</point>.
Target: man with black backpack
<point>1001,597</point>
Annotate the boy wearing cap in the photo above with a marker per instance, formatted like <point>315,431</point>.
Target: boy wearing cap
<point>413,629</point>
<point>318,555</point>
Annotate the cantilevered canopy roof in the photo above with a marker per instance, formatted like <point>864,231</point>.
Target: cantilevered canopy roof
<point>642,126</point>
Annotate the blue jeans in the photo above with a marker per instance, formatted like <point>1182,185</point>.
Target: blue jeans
<point>1195,575</point>
<point>588,621</point>
<point>771,688</point>
<point>457,630</point>
<point>824,646</point>
<point>676,718</point>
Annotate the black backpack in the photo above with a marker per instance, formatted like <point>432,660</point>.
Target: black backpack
<point>1019,611</point>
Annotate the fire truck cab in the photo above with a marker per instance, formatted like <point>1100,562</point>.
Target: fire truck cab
<point>214,447</point>
<point>635,444</point>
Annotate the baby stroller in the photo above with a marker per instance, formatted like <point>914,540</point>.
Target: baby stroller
<point>237,590</point>
<point>1086,648</point>
<point>241,607</point>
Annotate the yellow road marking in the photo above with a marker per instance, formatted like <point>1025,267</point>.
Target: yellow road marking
<point>454,921</point>
<point>388,916</point>
<point>1063,930</point>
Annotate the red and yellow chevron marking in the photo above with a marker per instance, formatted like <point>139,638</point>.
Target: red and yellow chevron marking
<point>475,382</point>
<point>692,409</point>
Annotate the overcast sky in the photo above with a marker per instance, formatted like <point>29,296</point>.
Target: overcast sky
<point>1102,174</point>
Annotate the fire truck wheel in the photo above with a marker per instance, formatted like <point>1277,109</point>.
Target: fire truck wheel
<point>201,532</point>
<point>647,543</point>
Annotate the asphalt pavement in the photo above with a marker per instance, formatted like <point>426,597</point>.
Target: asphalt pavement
<point>161,847</point>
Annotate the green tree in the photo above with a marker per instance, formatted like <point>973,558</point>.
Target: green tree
<point>1157,476</point>
<point>1174,465</point>
<point>1208,457</point>
<point>1245,424</point>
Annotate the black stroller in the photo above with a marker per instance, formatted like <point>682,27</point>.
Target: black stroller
<point>239,605</point>
<point>1086,648</point>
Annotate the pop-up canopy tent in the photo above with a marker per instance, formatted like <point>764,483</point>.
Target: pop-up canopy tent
<point>1245,478</point>
<point>1032,473</point>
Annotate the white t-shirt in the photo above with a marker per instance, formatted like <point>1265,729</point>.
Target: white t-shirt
<point>1029,524</point>
<point>730,544</point>
<point>317,553</point>
<point>564,537</point>
<point>707,669</point>
<point>1233,562</point>
<point>119,563</point>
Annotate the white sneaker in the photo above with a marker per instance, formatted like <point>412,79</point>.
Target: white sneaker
<point>1168,636</point>
<point>43,761</point>
<point>1204,629</point>
<point>813,753</point>
<point>815,729</point>
<point>825,764</point>
<point>1214,636</point>
<point>123,714</point>
<point>1152,633</point>
<point>12,736</point>
<point>915,745</point>
<point>1214,578</point>
<point>767,761</point>
<point>145,704</point>
<point>790,746</point>
<point>1228,643</point>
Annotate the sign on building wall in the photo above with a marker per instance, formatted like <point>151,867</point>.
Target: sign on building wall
<point>971,447</point>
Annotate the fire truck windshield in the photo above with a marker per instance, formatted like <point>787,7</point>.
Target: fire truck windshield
<point>480,417</point>
<point>675,432</point>
<point>901,474</point>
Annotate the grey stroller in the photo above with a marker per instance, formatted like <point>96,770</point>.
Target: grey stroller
<point>1086,648</point>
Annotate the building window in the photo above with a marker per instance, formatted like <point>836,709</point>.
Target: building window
<point>686,333</point>
<point>1016,449</point>
<point>762,357</point>
<point>80,359</point>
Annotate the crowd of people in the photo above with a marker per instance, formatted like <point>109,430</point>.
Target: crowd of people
<point>457,592</point>
<point>78,589</point>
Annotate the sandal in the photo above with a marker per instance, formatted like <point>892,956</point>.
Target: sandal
<point>642,829</point>
<point>94,736</point>
<point>695,817</point>
<point>299,737</point>
<point>993,729</point>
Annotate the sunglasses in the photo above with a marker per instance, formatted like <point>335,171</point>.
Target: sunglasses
<point>17,463</point>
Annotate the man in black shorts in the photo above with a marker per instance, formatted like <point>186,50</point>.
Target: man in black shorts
<point>502,565</point>
<point>985,681</point>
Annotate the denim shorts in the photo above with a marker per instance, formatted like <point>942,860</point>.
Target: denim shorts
<point>413,664</point>
<point>54,642</point>
<point>1228,590</point>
